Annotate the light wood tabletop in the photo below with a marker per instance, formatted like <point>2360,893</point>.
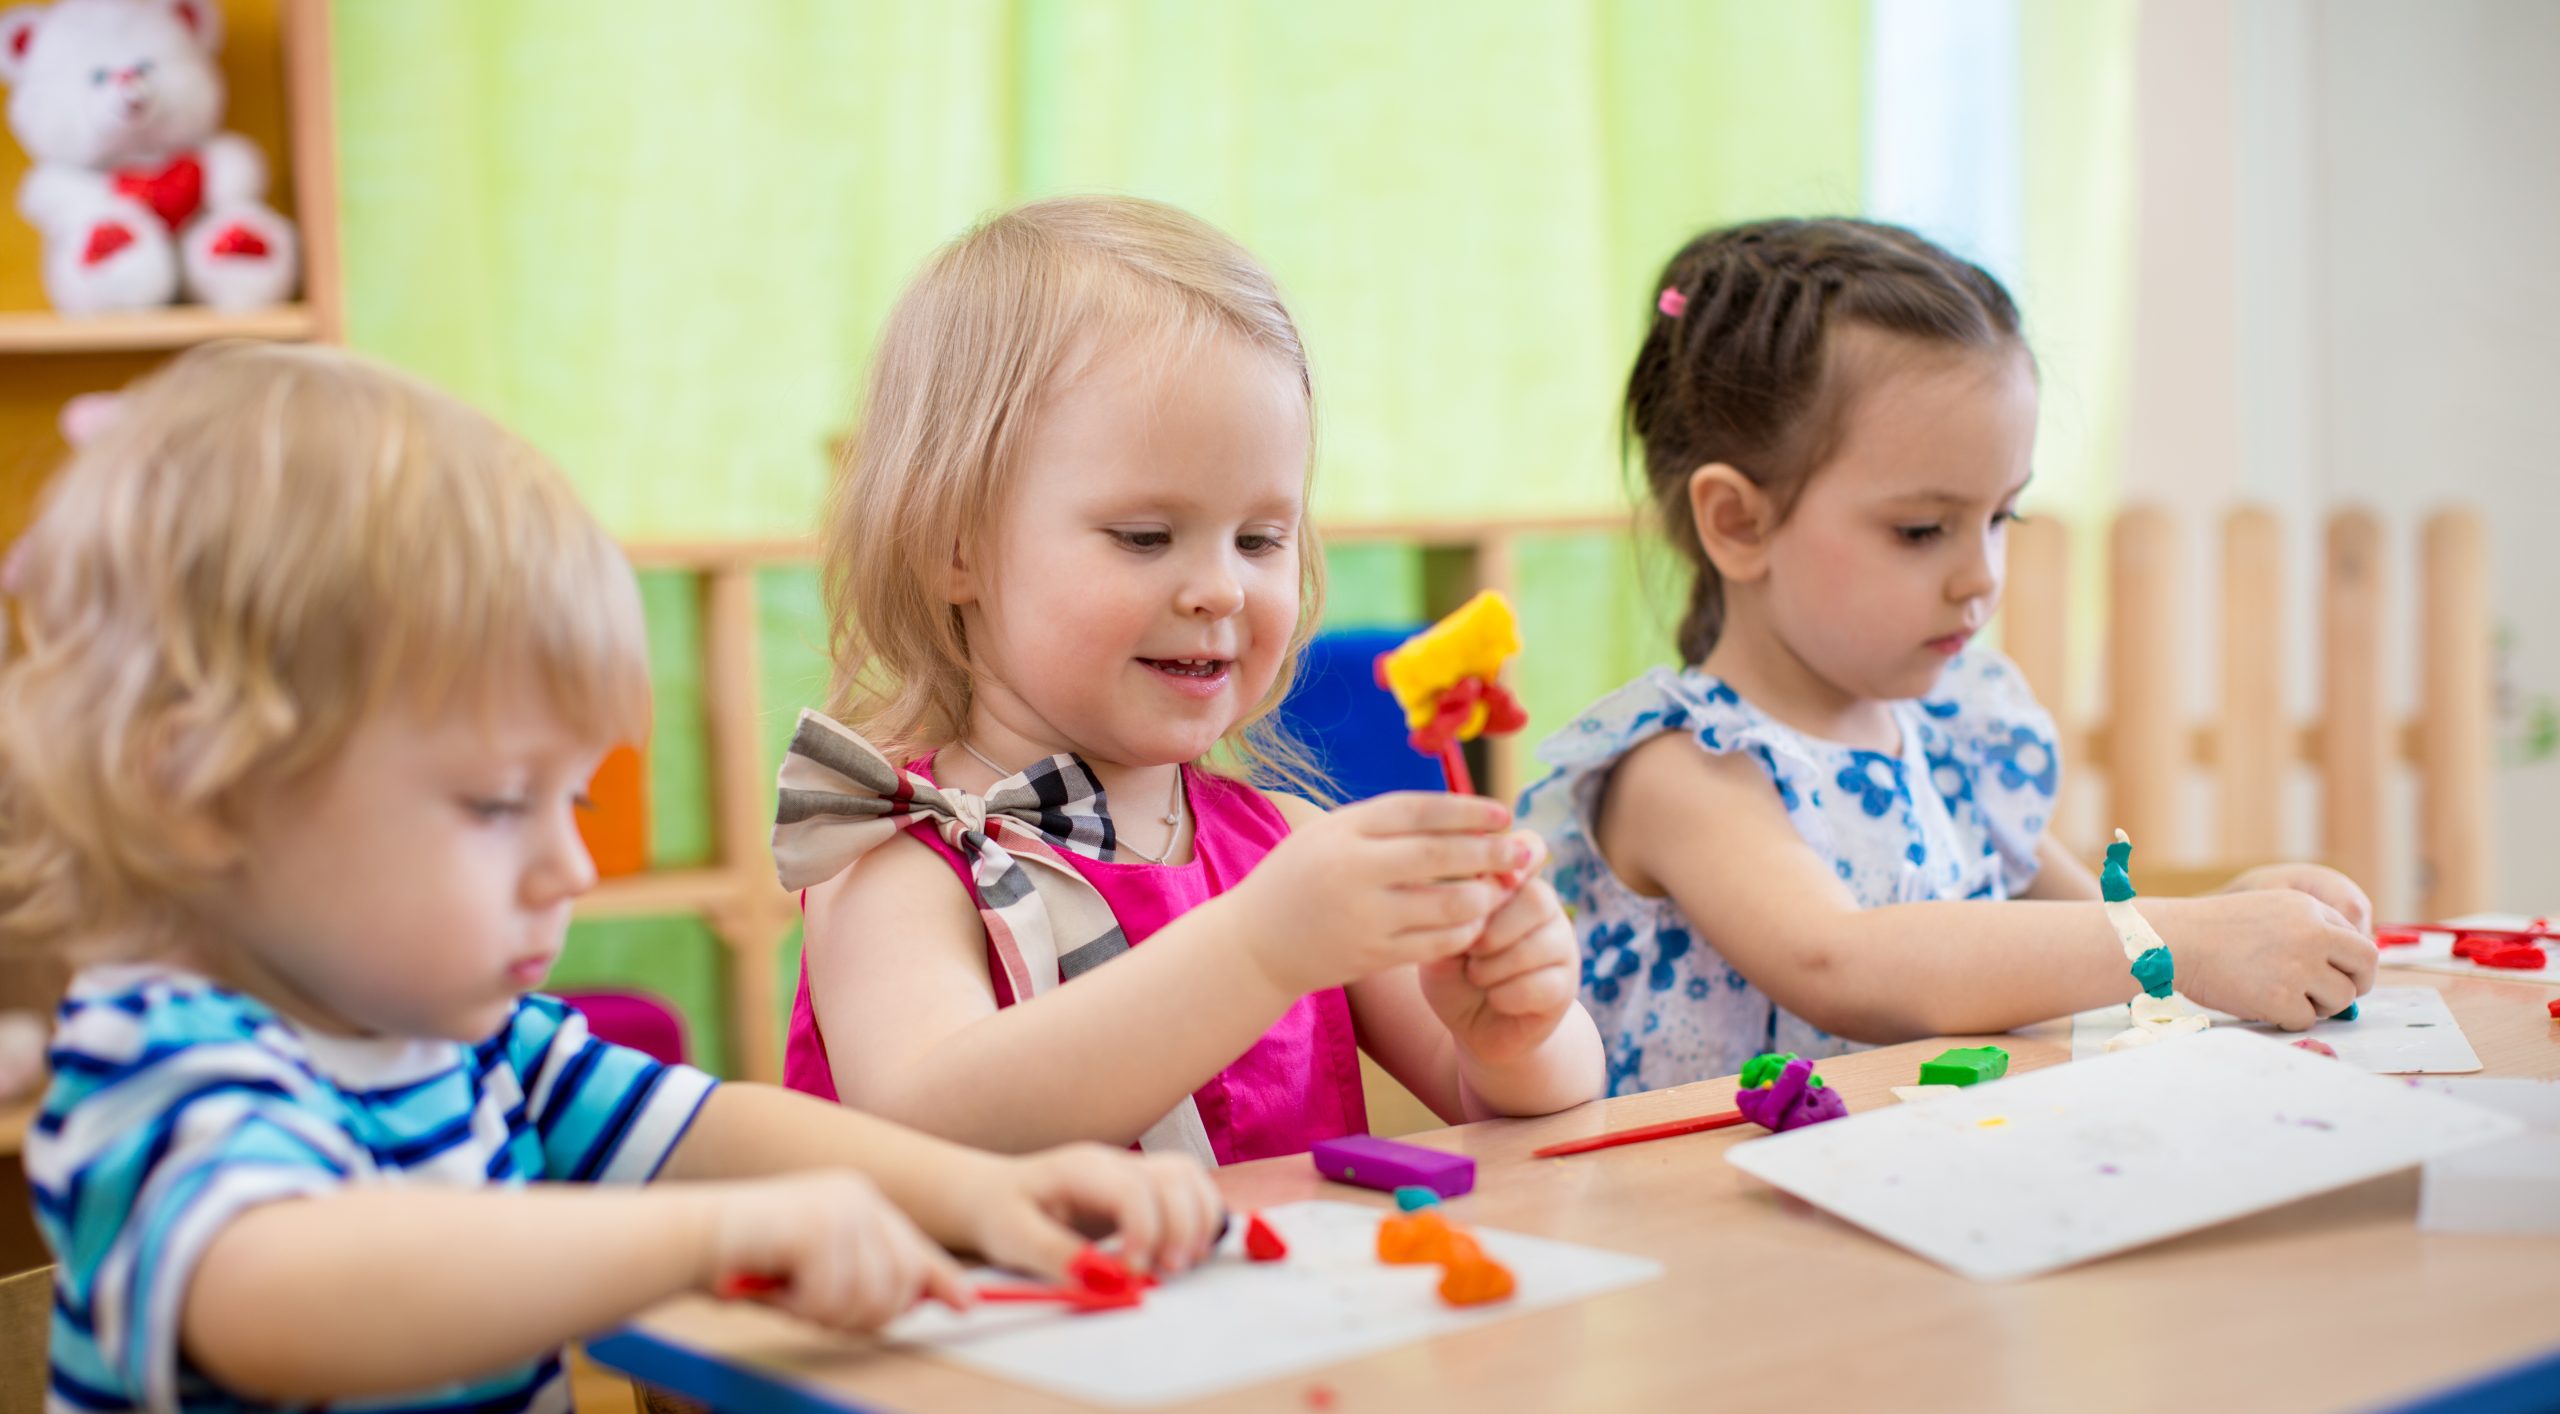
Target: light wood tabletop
<point>2336,1302</point>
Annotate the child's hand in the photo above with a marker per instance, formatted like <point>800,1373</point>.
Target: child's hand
<point>1033,1213</point>
<point>1502,997</point>
<point>2318,880</point>
<point>1404,878</point>
<point>827,1247</point>
<point>2276,955</point>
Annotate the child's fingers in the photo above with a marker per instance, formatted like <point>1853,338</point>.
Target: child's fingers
<point>945,1282</point>
<point>1535,992</point>
<point>1189,1203</point>
<point>1533,908</point>
<point>1427,812</point>
<point>1421,859</point>
<point>1426,907</point>
<point>1108,1189</point>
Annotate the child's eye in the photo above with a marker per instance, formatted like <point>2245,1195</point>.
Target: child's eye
<point>2009,518</point>
<point>1259,544</point>
<point>1143,539</point>
<point>493,808</point>
<point>1919,534</point>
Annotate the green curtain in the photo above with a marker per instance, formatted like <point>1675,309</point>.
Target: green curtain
<point>657,241</point>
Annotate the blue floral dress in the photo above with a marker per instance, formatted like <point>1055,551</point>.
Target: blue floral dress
<point>1957,815</point>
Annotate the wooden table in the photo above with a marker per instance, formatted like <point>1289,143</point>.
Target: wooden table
<point>2337,1302</point>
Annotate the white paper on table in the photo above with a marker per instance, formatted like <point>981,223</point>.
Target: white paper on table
<point>2058,1166</point>
<point>2397,1031</point>
<point>2512,1185</point>
<point>2433,952</point>
<point>1232,1322</point>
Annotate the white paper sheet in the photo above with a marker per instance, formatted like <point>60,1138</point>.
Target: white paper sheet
<point>2397,1031</point>
<point>2058,1166</point>
<point>2510,1186</point>
<point>1233,1322</point>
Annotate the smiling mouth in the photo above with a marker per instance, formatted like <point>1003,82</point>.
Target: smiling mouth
<point>1200,668</point>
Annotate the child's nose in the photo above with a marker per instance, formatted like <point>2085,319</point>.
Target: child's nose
<point>1977,578</point>
<point>563,869</point>
<point>1213,590</point>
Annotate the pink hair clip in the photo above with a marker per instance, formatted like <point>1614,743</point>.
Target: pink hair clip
<point>1672,303</point>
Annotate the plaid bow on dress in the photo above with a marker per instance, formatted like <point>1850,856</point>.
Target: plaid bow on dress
<point>840,799</point>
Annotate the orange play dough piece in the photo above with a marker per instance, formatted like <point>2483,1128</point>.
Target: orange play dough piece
<point>1415,1239</point>
<point>1475,1281</point>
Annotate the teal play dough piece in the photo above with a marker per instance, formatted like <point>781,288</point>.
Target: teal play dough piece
<point>2348,1015</point>
<point>2115,880</point>
<point>2154,969</point>
<point>1414,1195</point>
<point>1965,1065</point>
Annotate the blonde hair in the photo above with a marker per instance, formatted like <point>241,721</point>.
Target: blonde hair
<point>983,335</point>
<point>265,545</point>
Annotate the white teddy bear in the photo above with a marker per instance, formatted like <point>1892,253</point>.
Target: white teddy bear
<point>136,190</point>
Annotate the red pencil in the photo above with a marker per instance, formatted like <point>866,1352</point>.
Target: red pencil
<point>1697,1125</point>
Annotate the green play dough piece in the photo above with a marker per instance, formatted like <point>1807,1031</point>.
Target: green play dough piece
<point>2153,970</point>
<point>2115,880</point>
<point>1763,1069</point>
<point>1965,1065</point>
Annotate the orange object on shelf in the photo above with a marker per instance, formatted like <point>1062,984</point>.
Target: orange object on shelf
<point>615,821</point>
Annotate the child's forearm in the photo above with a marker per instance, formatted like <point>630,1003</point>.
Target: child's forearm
<point>1102,1058</point>
<point>1947,969</point>
<point>752,1131</point>
<point>374,1291</point>
<point>1567,1068</point>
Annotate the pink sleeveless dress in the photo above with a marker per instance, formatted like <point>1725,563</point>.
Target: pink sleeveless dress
<point>1299,1083</point>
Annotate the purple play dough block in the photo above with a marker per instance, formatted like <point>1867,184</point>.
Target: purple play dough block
<point>1386,1165</point>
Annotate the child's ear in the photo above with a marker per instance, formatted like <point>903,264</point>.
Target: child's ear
<point>960,582</point>
<point>1734,518</point>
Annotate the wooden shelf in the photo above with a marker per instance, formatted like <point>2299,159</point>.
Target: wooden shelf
<point>15,1118</point>
<point>41,331</point>
<point>668,891</point>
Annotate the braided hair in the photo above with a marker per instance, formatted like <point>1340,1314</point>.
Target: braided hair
<point>1739,366</point>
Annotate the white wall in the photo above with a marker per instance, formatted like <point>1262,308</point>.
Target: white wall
<point>2349,291</point>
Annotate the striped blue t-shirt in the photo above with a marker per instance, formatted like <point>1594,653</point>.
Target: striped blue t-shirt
<point>177,1104</point>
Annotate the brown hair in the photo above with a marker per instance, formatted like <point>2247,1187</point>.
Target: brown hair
<point>265,545</point>
<point>1746,372</point>
<point>993,325</point>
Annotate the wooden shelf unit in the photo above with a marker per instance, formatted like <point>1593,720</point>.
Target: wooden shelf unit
<point>275,61</point>
<point>37,332</point>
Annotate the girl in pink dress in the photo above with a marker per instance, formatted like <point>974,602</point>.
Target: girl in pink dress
<point>1068,569</point>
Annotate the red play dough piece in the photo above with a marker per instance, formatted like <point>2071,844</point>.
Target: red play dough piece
<point>2317,1048</point>
<point>1103,1274</point>
<point>1319,1396</point>
<point>1261,1243</point>
<point>2555,1011</point>
<point>2521,956</point>
<point>2396,938</point>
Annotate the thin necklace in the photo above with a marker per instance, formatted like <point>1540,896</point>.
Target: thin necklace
<point>1171,819</point>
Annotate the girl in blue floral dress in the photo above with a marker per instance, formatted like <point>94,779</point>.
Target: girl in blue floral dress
<point>1830,830</point>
